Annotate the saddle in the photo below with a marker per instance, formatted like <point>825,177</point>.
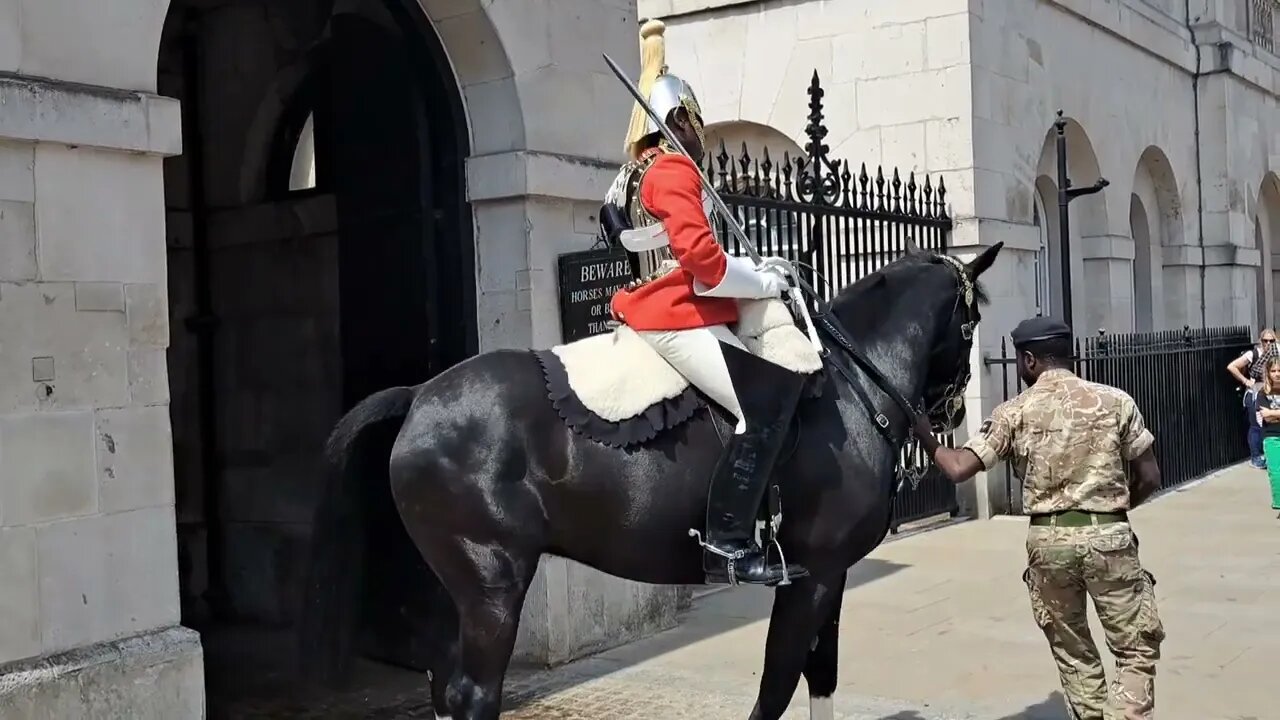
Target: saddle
<point>617,390</point>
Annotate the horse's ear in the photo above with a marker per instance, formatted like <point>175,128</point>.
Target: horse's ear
<point>980,264</point>
<point>912,247</point>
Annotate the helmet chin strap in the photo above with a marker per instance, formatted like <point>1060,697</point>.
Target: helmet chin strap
<point>695,121</point>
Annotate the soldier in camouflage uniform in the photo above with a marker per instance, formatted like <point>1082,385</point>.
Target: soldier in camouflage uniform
<point>1070,441</point>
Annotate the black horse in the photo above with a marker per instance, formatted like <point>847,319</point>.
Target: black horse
<point>487,478</point>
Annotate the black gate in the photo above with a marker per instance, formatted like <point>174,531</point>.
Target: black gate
<point>1179,381</point>
<point>837,226</point>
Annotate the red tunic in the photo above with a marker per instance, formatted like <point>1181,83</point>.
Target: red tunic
<point>672,192</point>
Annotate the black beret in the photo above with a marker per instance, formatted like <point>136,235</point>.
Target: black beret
<point>1039,328</point>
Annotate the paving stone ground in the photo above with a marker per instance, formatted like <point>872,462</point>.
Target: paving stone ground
<point>937,626</point>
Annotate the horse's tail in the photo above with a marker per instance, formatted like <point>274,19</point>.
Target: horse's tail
<point>356,459</point>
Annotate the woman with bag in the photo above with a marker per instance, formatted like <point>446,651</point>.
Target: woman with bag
<point>1247,370</point>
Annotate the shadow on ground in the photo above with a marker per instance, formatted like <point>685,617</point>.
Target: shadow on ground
<point>1051,708</point>
<point>249,672</point>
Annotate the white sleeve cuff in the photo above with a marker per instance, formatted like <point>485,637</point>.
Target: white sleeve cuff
<point>741,280</point>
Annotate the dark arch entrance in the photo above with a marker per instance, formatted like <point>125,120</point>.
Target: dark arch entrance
<point>319,250</point>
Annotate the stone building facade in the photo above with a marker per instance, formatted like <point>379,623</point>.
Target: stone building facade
<point>216,216</point>
<point>1174,102</point>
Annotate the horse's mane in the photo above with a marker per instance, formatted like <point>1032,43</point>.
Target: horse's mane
<point>913,258</point>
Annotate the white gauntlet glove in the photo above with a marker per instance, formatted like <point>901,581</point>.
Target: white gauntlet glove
<point>773,282</point>
<point>742,279</point>
<point>778,271</point>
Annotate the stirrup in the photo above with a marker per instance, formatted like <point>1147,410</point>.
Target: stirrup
<point>782,560</point>
<point>775,524</point>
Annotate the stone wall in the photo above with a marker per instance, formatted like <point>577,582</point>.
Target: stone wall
<point>87,499</point>
<point>898,91</point>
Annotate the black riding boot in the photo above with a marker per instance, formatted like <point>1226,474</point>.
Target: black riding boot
<point>768,394</point>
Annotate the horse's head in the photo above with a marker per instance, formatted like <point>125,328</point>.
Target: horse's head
<point>936,297</point>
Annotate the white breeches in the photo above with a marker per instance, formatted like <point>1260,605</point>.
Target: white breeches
<point>696,355</point>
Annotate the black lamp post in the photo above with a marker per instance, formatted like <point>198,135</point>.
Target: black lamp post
<point>1066,194</point>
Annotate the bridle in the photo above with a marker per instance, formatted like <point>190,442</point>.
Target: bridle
<point>950,399</point>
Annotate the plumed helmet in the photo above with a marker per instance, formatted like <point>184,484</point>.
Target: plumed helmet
<point>664,91</point>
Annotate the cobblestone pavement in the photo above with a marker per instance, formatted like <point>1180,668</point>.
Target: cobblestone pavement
<point>937,627</point>
<point>579,694</point>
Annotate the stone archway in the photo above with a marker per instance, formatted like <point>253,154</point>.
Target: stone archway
<point>286,296</point>
<point>1155,192</point>
<point>483,72</point>
<point>1140,230</point>
<point>1089,244</point>
<point>542,120</point>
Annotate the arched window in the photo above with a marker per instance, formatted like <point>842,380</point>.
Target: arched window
<point>1044,256</point>
<point>302,169</point>
<point>1140,231</point>
<point>297,162</point>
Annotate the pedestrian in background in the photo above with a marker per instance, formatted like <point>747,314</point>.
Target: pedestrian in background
<point>1269,411</point>
<point>1247,370</point>
<point>1070,442</point>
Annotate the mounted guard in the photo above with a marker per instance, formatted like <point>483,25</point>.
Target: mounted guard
<point>683,304</point>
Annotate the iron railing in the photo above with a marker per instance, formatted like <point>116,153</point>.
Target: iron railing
<point>837,227</point>
<point>1178,380</point>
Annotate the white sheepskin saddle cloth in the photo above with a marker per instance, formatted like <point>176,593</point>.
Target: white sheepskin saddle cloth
<point>618,376</point>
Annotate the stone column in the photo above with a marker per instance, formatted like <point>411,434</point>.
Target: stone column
<point>1181,271</point>
<point>1106,302</point>
<point>87,538</point>
<point>1232,289</point>
<point>1231,285</point>
<point>1010,286</point>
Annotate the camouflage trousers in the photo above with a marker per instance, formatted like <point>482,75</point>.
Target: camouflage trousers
<point>1064,565</point>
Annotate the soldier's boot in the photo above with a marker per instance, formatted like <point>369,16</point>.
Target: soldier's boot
<point>768,395</point>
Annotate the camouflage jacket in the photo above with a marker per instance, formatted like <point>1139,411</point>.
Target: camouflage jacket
<point>1069,440</point>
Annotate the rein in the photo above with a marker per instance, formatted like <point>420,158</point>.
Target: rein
<point>830,326</point>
